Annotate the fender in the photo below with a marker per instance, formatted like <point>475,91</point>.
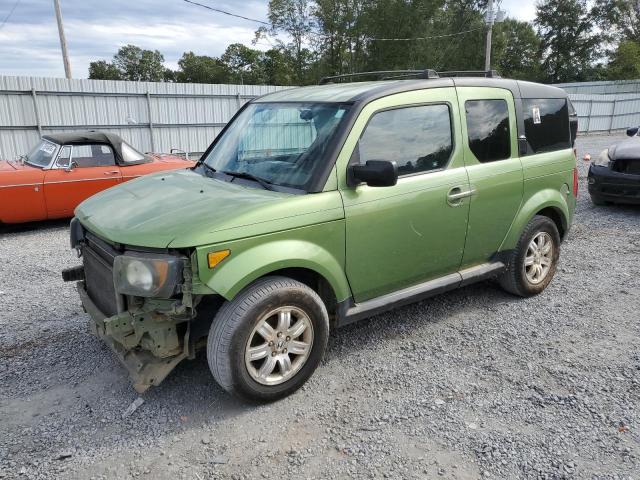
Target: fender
<point>547,198</point>
<point>244,266</point>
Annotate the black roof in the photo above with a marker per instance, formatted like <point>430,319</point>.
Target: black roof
<point>358,92</point>
<point>83,138</point>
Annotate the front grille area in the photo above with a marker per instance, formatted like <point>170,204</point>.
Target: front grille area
<point>98,271</point>
<point>630,167</point>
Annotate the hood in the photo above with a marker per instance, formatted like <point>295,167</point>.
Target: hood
<point>182,208</point>
<point>15,173</point>
<point>6,166</point>
<point>628,149</point>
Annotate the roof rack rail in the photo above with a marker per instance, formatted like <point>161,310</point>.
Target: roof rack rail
<point>425,73</point>
<point>470,73</point>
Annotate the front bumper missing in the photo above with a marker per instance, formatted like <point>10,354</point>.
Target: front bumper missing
<point>612,186</point>
<point>145,368</point>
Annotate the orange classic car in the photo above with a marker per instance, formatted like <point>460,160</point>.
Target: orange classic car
<point>63,170</point>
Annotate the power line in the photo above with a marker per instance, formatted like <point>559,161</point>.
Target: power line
<point>420,38</point>
<point>10,13</point>
<point>226,13</point>
<point>349,38</point>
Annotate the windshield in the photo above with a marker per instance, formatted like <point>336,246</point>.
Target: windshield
<point>279,143</point>
<point>42,154</point>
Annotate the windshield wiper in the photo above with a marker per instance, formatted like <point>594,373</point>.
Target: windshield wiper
<point>250,176</point>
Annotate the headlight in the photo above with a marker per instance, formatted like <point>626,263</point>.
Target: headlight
<point>602,159</point>
<point>147,275</point>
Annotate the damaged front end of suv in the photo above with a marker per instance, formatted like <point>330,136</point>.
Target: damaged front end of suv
<point>141,303</point>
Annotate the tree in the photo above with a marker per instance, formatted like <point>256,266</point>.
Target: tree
<point>278,67</point>
<point>132,63</point>
<point>101,70</point>
<point>620,18</point>
<point>569,42</point>
<point>244,64</point>
<point>140,65</point>
<point>295,18</point>
<point>342,36</point>
<point>516,50</point>
<point>201,69</point>
<point>625,61</point>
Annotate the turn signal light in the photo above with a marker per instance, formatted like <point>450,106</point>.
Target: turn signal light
<point>575,182</point>
<point>214,258</point>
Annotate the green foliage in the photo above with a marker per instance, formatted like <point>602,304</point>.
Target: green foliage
<point>102,70</point>
<point>569,43</point>
<point>131,63</point>
<point>516,51</point>
<point>201,69</point>
<point>140,65</point>
<point>570,40</point>
<point>625,62</point>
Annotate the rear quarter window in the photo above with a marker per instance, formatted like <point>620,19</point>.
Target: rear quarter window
<point>488,129</point>
<point>546,124</point>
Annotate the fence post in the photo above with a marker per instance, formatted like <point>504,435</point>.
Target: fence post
<point>613,114</point>
<point>153,140</point>
<point>589,115</point>
<point>36,110</point>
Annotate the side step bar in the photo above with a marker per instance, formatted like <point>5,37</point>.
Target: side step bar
<point>350,312</point>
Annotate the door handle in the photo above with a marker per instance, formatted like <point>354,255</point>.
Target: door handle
<point>112,172</point>
<point>456,194</point>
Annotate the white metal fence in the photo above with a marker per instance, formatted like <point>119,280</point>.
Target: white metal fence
<point>151,116</point>
<point>605,106</point>
<point>163,116</point>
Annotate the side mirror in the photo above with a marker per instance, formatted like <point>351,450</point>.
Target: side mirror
<point>71,166</point>
<point>376,173</point>
<point>632,131</point>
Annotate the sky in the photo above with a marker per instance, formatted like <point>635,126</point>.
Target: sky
<point>29,43</point>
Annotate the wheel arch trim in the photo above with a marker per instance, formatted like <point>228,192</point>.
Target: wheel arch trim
<point>543,201</point>
<point>240,270</point>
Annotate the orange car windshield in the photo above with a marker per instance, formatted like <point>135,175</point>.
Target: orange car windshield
<point>42,154</point>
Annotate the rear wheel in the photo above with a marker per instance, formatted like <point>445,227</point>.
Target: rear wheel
<point>266,342</point>
<point>533,263</point>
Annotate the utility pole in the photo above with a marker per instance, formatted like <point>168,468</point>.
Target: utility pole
<point>63,40</point>
<point>489,22</point>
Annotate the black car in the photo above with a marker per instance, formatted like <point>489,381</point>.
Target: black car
<point>614,176</point>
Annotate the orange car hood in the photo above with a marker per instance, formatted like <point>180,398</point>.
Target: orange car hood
<point>14,173</point>
<point>6,166</point>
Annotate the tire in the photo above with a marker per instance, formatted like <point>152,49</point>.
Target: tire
<point>239,326</point>
<point>521,280</point>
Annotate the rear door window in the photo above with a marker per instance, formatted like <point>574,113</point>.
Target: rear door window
<point>546,124</point>
<point>488,129</point>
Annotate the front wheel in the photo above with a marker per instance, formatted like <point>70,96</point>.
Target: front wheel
<point>533,263</point>
<point>266,342</point>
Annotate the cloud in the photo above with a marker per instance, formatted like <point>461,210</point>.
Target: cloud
<point>95,30</point>
<point>29,42</point>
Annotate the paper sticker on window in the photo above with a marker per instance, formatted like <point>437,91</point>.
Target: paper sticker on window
<point>48,148</point>
<point>339,113</point>
<point>536,115</point>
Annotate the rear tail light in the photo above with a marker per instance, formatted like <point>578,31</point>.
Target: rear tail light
<point>575,182</point>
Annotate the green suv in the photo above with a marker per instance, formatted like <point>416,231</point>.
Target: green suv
<point>319,206</point>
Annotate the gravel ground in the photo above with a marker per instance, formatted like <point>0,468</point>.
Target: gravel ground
<point>471,384</point>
